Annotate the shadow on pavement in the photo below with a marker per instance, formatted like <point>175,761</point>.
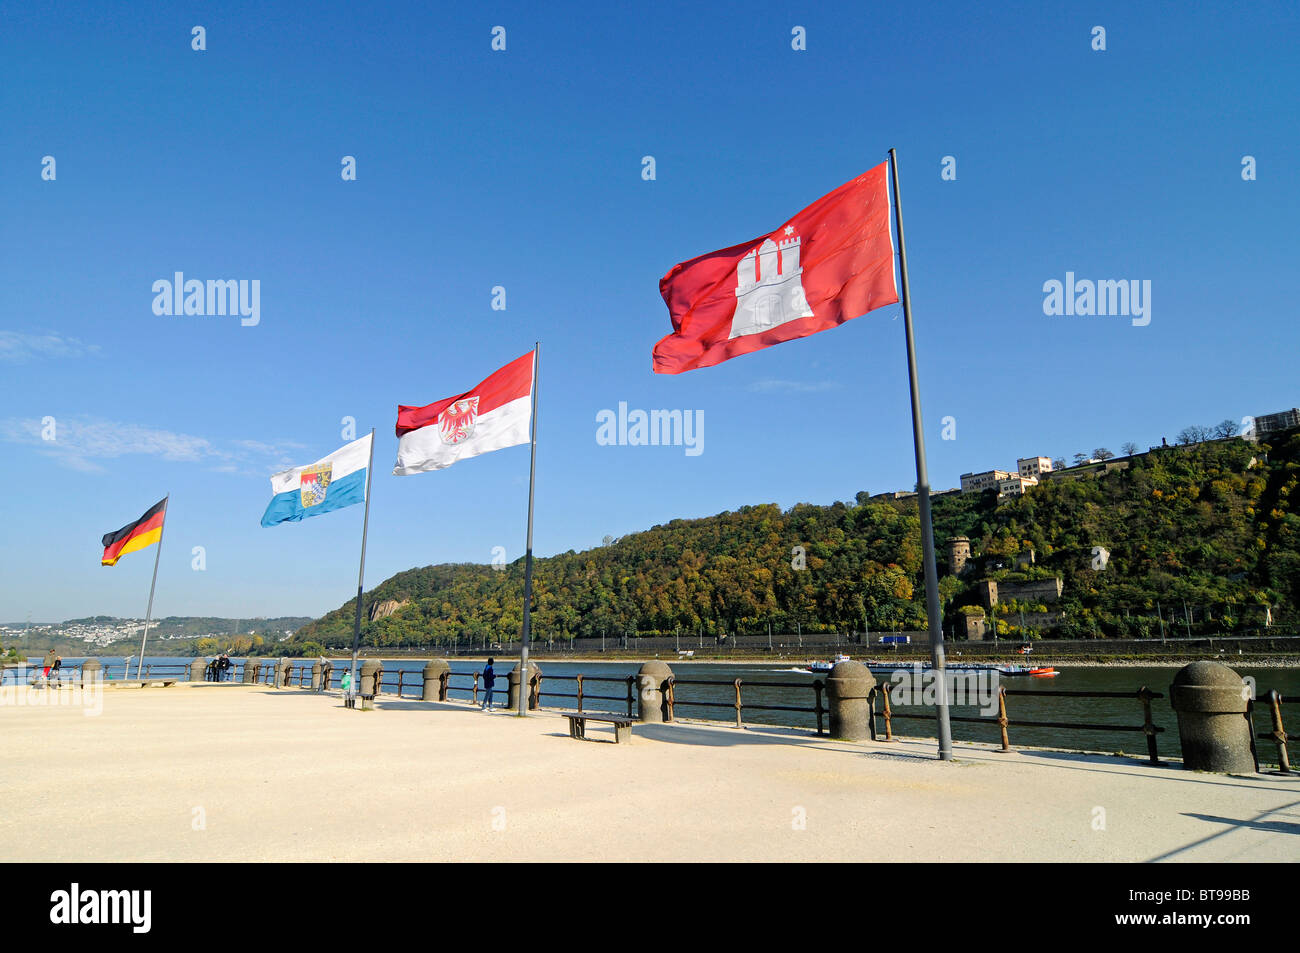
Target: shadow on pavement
<point>1231,824</point>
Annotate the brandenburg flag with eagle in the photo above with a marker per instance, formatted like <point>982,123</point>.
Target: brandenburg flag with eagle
<point>832,262</point>
<point>145,531</point>
<point>493,415</point>
<point>330,483</point>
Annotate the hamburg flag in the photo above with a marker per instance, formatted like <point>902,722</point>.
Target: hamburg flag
<point>832,262</point>
<point>145,531</point>
<point>493,415</point>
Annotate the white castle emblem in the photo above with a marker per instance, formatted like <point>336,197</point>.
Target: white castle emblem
<point>769,287</point>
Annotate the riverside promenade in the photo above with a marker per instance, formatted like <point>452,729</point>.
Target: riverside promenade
<point>248,773</point>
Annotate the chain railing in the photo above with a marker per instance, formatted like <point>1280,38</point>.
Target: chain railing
<point>402,681</point>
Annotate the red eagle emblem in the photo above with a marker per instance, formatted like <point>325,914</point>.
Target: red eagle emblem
<point>456,423</point>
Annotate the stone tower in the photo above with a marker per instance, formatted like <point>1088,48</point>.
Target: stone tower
<point>958,554</point>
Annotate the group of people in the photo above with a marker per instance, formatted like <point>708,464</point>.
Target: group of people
<point>489,679</point>
<point>350,692</point>
<point>218,668</point>
<point>52,665</point>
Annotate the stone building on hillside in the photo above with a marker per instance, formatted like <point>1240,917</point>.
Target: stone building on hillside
<point>1032,590</point>
<point>1282,420</point>
<point>958,554</point>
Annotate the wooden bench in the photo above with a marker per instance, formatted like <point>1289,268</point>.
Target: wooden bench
<point>578,724</point>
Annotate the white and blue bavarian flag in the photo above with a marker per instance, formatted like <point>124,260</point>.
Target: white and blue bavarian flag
<point>330,483</point>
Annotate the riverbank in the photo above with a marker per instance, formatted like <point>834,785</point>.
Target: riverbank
<point>246,773</point>
<point>903,661</point>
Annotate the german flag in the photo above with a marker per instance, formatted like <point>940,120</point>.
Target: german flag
<point>145,531</point>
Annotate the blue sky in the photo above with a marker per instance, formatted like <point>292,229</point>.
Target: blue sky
<point>522,169</point>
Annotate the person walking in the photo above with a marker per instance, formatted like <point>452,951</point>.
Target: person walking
<point>58,664</point>
<point>49,663</point>
<point>489,679</point>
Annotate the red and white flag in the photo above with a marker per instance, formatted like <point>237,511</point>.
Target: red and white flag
<point>832,262</point>
<point>493,415</point>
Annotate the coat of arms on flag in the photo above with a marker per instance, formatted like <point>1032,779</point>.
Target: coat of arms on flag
<point>457,421</point>
<point>828,264</point>
<point>315,483</point>
<point>300,492</point>
<point>769,287</point>
<point>495,414</point>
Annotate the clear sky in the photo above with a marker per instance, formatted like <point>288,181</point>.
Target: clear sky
<point>523,169</point>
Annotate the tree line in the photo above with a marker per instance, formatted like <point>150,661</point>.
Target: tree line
<point>1208,528</point>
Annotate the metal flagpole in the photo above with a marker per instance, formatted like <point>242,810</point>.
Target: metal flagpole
<point>937,658</point>
<point>522,699</point>
<point>361,573</point>
<point>139,669</point>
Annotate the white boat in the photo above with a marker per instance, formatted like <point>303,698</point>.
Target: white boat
<point>824,668</point>
<point>1038,671</point>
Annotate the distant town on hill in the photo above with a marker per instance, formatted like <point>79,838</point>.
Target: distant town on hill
<point>174,635</point>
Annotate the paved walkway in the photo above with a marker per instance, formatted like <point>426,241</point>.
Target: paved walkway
<point>217,772</point>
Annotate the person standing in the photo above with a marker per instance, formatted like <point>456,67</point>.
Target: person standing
<point>49,663</point>
<point>489,679</point>
<point>346,684</point>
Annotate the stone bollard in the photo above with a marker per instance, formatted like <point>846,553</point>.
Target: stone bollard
<point>315,675</point>
<point>653,703</point>
<point>435,682</point>
<point>847,691</point>
<point>512,692</point>
<point>199,670</point>
<point>326,675</point>
<point>1211,702</point>
<point>92,670</point>
<point>280,676</point>
<point>372,675</point>
<point>251,667</point>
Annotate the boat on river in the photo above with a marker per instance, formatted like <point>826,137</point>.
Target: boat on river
<point>824,668</point>
<point>1036,671</point>
<point>887,668</point>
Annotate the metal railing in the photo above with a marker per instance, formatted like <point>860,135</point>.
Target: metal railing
<point>818,709</point>
<point>398,683</point>
<point>1278,734</point>
<point>113,672</point>
<point>1003,721</point>
<point>882,714</point>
